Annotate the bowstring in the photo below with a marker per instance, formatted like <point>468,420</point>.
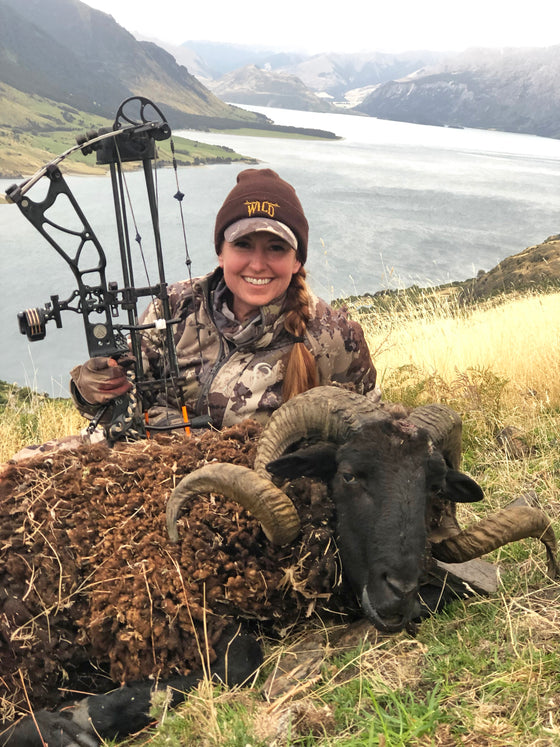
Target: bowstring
<point>179,196</point>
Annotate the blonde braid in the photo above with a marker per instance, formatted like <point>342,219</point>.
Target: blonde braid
<point>301,370</point>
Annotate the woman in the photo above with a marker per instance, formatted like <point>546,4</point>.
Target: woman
<point>251,334</point>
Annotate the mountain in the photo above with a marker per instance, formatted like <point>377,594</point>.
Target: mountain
<point>335,74</point>
<point>253,86</point>
<point>330,75</point>
<point>33,62</point>
<point>185,56</point>
<point>512,90</point>
<point>219,58</point>
<point>71,53</point>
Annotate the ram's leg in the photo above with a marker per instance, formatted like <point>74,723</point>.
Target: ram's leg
<point>126,710</point>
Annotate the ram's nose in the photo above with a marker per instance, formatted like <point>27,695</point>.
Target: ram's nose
<point>391,603</point>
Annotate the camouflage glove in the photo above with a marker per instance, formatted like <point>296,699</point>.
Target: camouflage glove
<point>100,380</point>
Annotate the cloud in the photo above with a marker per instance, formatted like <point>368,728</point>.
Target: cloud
<point>357,25</point>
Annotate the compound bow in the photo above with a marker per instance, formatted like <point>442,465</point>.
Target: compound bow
<point>132,138</point>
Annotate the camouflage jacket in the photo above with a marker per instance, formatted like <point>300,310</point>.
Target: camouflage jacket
<point>233,371</point>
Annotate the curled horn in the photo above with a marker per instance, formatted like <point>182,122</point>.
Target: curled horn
<point>328,412</point>
<point>505,526</point>
<point>444,426</point>
<point>267,503</point>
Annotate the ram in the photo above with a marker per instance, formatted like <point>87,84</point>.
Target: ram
<point>126,596</point>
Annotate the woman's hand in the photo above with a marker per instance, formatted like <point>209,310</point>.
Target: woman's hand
<point>100,380</point>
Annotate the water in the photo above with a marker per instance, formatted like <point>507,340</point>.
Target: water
<point>389,205</point>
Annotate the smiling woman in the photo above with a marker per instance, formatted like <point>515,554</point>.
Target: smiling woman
<point>257,267</point>
<point>249,335</point>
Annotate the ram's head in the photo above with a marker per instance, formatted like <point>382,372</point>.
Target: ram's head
<point>385,467</point>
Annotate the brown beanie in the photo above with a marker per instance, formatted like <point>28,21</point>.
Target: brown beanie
<point>261,193</point>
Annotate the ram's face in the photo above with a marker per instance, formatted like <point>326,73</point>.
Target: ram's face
<point>381,497</point>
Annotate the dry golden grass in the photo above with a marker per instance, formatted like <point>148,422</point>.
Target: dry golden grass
<point>34,419</point>
<point>517,338</point>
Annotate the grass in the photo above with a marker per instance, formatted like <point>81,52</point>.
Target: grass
<point>436,339</point>
<point>29,417</point>
<point>484,673</point>
<point>36,129</point>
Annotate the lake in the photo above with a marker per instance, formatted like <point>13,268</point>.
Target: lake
<point>390,204</point>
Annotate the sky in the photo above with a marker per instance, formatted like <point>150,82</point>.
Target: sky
<point>351,26</point>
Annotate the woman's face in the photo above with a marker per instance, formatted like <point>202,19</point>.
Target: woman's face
<point>257,269</point>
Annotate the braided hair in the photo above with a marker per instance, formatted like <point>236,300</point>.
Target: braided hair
<point>301,370</point>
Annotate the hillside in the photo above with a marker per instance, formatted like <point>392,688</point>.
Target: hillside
<point>34,129</point>
<point>68,52</point>
<point>512,90</point>
<point>535,269</point>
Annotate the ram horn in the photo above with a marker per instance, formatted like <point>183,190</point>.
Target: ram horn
<point>445,428</point>
<point>328,412</point>
<point>505,526</point>
<point>267,503</point>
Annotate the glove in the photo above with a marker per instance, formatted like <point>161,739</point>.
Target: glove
<point>100,380</point>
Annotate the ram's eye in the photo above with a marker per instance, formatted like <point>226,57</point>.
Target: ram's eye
<point>348,477</point>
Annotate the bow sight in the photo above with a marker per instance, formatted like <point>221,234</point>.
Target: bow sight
<point>132,138</point>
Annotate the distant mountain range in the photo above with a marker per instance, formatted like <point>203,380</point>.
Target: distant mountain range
<point>514,90</point>
<point>257,87</point>
<point>329,76</point>
<point>67,52</point>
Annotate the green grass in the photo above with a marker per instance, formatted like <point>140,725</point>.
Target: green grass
<point>483,673</point>
<point>30,417</point>
<point>253,132</point>
<point>35,130</point>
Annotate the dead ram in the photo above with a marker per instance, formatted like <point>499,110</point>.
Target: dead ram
<point>394,483</point>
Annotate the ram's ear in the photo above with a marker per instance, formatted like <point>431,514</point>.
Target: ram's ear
<point>461,488</point>
<point>318,460</point>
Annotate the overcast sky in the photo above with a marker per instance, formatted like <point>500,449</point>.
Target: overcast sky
<point>351,25</point>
